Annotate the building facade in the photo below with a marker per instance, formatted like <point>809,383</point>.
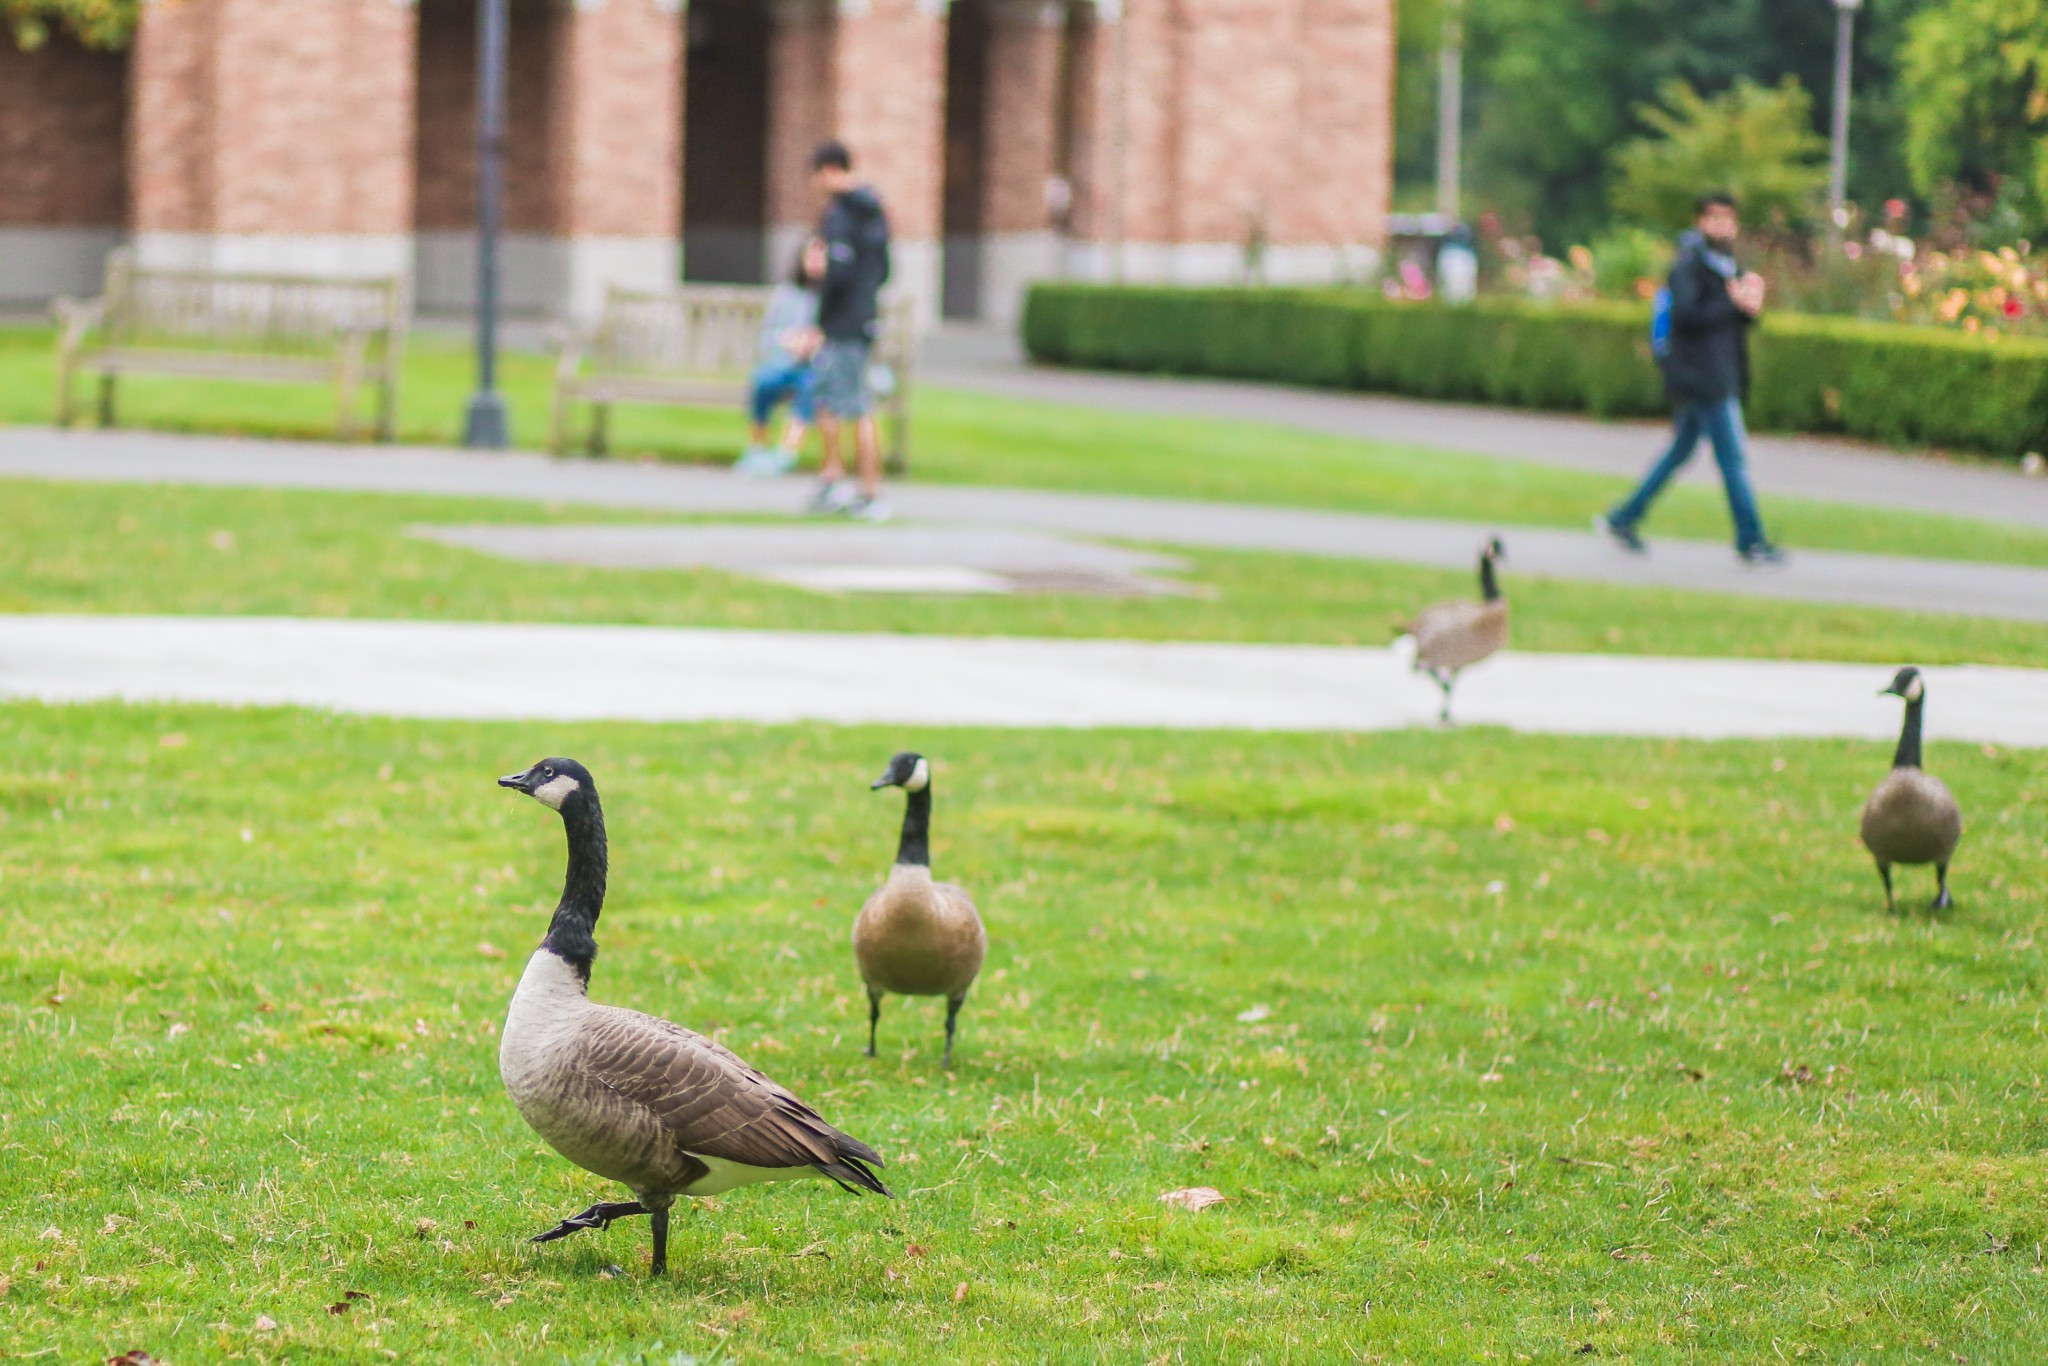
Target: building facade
<point>1170,140</point>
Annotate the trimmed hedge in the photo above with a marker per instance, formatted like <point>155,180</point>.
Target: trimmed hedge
<point>1882,382</point>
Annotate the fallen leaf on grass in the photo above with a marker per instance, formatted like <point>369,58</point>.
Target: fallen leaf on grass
<point>338,1307</point>
<point>915,1250</point>
<point>501,1301</point>
<point>6,1284</point>
<point>1193,1198</point>
<point>1254,1015</point>
<point>265,1323</point>
<point>174,740</point>
<point>960,1293</point>
<point>1801,1075</point>
<point>490,950</point>
<point>814,1250</point>
<point>422,1227</point>
<point>135,1356</point>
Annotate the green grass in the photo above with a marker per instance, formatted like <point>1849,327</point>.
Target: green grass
<point>1573,1045</point>
<point>121,548</point>
<point>974,439</point>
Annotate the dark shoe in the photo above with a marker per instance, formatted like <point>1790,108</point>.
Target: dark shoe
<point>1622,535</point>
<point>1763,552</point>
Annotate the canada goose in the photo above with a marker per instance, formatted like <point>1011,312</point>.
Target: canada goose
<point>1456,635</point>
<point>917,937</point>
<point>632,1098</point>
<point>1911,817</point>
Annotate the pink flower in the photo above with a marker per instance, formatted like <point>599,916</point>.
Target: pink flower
<point>2014,308</point>
<point>1895,209</point>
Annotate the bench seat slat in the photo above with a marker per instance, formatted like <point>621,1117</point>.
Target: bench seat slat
<point>210,364</point>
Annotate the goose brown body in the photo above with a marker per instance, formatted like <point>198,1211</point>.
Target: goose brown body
<point>915,936</point>
<point>1452,636</point>
<point>1912,817</point>
<point>631,1097</point>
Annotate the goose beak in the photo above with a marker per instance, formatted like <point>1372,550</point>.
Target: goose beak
<point>1889,692</point>
<point>518,782</point>
<point>878,784</point>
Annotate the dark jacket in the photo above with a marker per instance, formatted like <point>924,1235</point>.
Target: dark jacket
<point>856,233</point>
<point>1709,356</point>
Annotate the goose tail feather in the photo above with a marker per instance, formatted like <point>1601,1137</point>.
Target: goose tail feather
<point>851,1171</point>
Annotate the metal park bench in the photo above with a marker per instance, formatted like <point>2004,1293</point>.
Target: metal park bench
<point>695,346</point>
<point>208,325</point>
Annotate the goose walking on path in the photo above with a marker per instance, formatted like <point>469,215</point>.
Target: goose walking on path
<point>1452,636</point>
<point>917,937</point>
<point>1912,817</point>
<point>630,1097</point>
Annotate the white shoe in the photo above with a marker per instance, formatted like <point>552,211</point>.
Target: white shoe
<point>869,510</point>
<point>831,497</point>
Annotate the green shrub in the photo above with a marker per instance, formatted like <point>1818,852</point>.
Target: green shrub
<point>1878,381</point>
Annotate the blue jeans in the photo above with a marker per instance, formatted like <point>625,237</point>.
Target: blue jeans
<point>1721,423</point>
<point>774,383</point>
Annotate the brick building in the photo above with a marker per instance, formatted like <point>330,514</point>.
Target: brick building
<point>1192,140</point>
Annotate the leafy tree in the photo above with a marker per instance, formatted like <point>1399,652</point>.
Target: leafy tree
<point>1756,141</point>
<point>100,23</point>
<point>1976,86</point>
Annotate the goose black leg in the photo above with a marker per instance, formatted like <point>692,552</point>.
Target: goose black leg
<point>1943,900</point>
<point>953,1004</point>
<point>661,1242</point>
<point>1444,681</point>
<point>597,1216</point>
<point>874,1017</point>
<point>1884,870</point>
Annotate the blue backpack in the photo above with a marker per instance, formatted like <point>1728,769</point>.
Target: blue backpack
<point>1660,325</point>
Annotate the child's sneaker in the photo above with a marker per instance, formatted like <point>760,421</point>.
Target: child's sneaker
<point>756,461</point>
<point>777,461</point>
<point>869,510</point>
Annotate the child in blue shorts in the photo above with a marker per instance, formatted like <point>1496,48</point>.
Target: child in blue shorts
<point>789,341</point>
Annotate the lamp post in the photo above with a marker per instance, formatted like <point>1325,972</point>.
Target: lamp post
<point>1450,109</point>
<point>1838,142</point>
<point>484,426</point>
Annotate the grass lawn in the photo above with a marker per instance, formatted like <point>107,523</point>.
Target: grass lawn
<point>124,548</point>
<point>1569,1047</point>
<point>973,439</point>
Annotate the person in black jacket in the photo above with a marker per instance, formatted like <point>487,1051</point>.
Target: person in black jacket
<point>856,235</point>
<point>1714,303</point>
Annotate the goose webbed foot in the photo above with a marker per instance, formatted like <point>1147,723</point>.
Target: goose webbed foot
<point>597,1216</point>
<point>953,1005</point>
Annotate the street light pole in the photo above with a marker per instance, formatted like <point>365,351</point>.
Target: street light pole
<point>1838,142</point>
<point>484,426</point>
<point>1450,109</point>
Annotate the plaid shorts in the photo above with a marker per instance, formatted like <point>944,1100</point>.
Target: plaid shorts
<point>840,377</point>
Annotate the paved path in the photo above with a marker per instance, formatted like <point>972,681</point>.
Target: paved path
<point>505,672</point>
<point>2013,593</point>
<point>1839,471</point>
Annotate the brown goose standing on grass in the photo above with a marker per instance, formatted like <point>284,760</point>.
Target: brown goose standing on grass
<point>632,1098</point>
<point>1456,635</point>
<point>917,937</point>
<point>1911,817</point>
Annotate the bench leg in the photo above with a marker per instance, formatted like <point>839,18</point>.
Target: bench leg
<point>387,410</point>
<point>558,431</point>
<point>600,429</point>
<point>66,393</point>
<point>106,400</point>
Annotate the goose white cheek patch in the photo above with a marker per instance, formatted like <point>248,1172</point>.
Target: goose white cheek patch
<point>920,777</point>
<point>556,790</point>
<point>1915,690</point>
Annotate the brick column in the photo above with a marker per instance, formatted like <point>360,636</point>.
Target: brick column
<point>1021,117</point>
<point>63,167</point>
<point>277,137</point>
<point>615,138</point>
<point>871,73</point>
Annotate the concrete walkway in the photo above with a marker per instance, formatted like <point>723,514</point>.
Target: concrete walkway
<point>2012,593</point>
<point>579,673</point>
<point>989,361</point>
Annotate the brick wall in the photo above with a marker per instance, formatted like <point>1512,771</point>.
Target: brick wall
<point>445,136</point>
<point>63,136</point>
<point>254,117</point>
<point>1022,111</point>
<point>616,121</point>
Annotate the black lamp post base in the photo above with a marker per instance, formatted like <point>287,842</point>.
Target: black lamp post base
<point>485,426</point>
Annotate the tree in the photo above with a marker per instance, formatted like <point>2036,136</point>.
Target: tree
<point>99,23</point>
<point>1755,141</point>
<point>1976,87</point>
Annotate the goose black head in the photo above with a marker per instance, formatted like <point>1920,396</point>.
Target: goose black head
<point>1494,550</point>
<point>562,784</point>
<point>907,771</point>
<point>1906,683</point>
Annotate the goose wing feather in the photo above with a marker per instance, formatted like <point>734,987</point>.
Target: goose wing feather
<point>1452,635</point>
<point>713,1103</point>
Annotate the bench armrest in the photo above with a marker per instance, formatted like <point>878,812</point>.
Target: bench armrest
<point>569,344</point>
<point>75,318</point>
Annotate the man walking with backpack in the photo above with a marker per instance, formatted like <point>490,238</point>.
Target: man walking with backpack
<point>1702,341</point>
<point>856,235</point>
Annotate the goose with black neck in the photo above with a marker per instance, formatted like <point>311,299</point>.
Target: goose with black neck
<point>630,1097</point>
<point>1453,636</point>
<point>1912,818</point>
<point>917,937</point>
